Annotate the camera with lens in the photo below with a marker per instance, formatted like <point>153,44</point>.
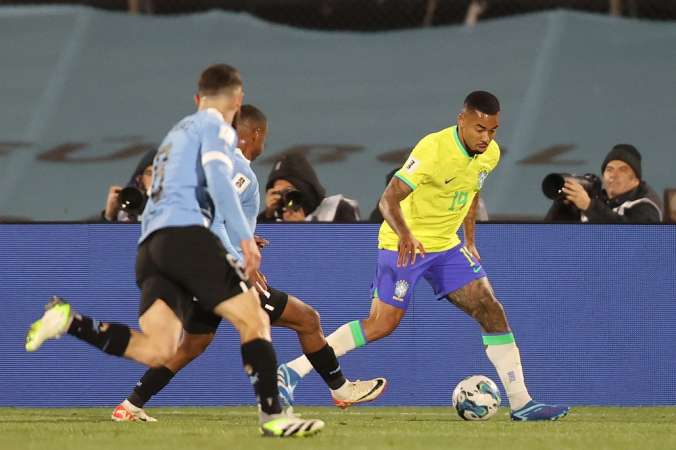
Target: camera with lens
<point>553,183</point>
<point>292,199</point>
<point>132,200</point>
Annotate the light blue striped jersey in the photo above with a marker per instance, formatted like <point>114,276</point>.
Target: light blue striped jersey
<point>246,184</point>
<point>192,174</point>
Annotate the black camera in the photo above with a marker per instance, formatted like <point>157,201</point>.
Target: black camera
<point>292,199</point>
<point>553,183</point>
<point>132,200</point>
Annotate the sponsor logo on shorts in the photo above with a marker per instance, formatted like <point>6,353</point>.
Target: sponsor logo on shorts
<point>400,289</point>
<point>476,269</point>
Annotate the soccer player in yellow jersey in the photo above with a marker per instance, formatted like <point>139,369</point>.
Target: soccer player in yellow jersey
<point>427,200</point>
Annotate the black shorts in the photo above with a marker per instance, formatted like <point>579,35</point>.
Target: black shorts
<point>181,263</point>
<point>198,321</point>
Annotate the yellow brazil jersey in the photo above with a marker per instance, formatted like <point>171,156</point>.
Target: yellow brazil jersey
<point>444,179</point>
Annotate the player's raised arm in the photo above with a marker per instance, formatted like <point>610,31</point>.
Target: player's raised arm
<point>468,224</point>
<point>389,206</point>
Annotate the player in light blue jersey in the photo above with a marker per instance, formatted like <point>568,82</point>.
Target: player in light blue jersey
<point>179,259</point>
<point>283,309</point>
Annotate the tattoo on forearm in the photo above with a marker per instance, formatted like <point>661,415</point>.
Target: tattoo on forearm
<point>469,221</point>
<point>392,212</point>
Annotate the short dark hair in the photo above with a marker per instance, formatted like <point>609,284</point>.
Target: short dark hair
<point>218,78</point>
<point>251,114</point>
<point>482,101</point>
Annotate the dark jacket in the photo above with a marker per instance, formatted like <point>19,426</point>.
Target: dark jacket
<point>634,206</point>
<point>296,169</point>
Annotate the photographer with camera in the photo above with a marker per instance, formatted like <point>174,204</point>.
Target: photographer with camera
<point>625,199</point>
<point>126,204</point>
<point>294,194</point>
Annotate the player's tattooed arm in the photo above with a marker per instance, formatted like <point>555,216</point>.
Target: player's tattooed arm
<point>468,224</point>
<point>389,206</point>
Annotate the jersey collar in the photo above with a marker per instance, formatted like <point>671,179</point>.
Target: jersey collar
<point>459,143</point>
<point>216,112</point>
<point>239,152</point>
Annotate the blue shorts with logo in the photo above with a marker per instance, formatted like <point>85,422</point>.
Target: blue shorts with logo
<point>445,271</point>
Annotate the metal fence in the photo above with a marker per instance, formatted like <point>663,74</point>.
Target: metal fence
<point>371,15</point>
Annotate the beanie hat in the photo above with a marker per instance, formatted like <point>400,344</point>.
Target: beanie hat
<point>626,153</point>
<point>295,165</point>
<point>146,161</point>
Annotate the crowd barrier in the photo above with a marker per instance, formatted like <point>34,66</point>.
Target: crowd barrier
<point>591,306</point>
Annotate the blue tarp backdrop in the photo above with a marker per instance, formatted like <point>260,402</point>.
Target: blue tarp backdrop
<point>592,308</point>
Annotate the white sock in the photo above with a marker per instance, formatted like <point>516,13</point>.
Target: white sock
<point>130,406</point>
<point>342,392</point>
<point>348,337</point>
<point>507,362</point>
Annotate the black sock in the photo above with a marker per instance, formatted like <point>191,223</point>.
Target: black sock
<point>152,382</point>
<point>260,364</point>
<point>326,364</point>
<point>112,338</point>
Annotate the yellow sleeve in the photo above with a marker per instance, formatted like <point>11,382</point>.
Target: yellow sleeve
<point>420,164</point>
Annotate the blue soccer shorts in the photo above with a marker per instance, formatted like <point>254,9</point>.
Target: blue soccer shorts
<point>445,271</point>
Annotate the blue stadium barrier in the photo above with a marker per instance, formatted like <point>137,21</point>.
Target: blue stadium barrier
<point>591,306</point>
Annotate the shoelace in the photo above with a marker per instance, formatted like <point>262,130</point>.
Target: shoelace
<point>357,388</point>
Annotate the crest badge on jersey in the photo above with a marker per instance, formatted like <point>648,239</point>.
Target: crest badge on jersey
<point>400,290</point>
<point>241,182</point>
<point>482,177</point>
<point>411,165</point>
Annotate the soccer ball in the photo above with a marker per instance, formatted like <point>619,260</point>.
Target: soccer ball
<point>476,398</point>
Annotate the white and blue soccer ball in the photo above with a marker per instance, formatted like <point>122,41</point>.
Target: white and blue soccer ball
<point>476,398</point>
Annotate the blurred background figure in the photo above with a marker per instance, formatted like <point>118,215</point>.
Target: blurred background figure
<point>625,199</point>
<point>126,204</point>
<point>294,194</point>
<point>140,6</point>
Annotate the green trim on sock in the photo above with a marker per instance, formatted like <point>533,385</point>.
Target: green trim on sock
<point>498,339</point>
<point>357,334</point>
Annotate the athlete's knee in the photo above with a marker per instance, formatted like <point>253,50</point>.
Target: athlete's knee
<point>311,320</point>
<point>161,353</point>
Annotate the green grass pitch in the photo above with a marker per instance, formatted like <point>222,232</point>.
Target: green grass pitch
<point>356,428</point>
